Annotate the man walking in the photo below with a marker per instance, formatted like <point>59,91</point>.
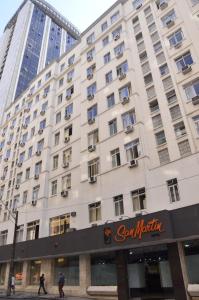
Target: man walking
<point>41,284</point>
<point>61,282</point>
<point>12,284</point>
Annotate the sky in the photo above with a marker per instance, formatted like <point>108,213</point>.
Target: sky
<point>79,12</point>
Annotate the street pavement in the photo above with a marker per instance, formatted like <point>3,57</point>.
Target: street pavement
<point>35,297</point>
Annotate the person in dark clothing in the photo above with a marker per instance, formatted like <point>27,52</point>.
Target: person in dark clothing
<point>41,284</point>
<point>61,282</point>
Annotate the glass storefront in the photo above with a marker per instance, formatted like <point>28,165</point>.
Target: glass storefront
<point>35,270</point>
<point>103,270</point>
<point>191,249</point>
<point>2,273</point>
<point>69,266</point>
<point>18,272</point>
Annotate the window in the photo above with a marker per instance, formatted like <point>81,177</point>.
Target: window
<point>107,57</point>
<point>90,54</point>
<point>119,205</point>
<point>32,132</point>
<point>69,110</point>
<point>61,82</point>
<point>93,167</point>
<point>59,225</point>
<point>19,233</point>
<point>93,138</point>
<point>179,129</point>
<point>122,69</point>
<point>115,17</point>
<point>57,137</point>
<point>38,168</point>
<point>115,154</point>
<point>128,119</point>
<point>164,156</point>
<point>132,150</point>
<point>91,38</point>
<point>25,197</point>
<point>40,145</point>
<point>66,182</point>
<point>48,75</point>
<point>62,67</point>
<point>160,138</point>
<point>116,33</point>
<point>125,92</point>
<point>171,96</point>
<point>67,156</point>
<point>160,58</point>
<point>19,178</point>
<point>168,18</point>
<point>192,89</point>
<point>157,47</point>
<point>47,90</point>
<point>152,27</point>
<point>25,137</point>
<point>113,127</point>
<point>3,237</point>
<point>27,176</point>
<point>55,161</point>
<point>68,131</point>
<point>110,100</point>
<point>105,41</point>
<point>148,79</point>
<point>91,90</point>
<point>109,77</point>
<point>94,212</point>
<point>154,106</point>
<point>196,122</point>
<point>139,199</point>
<point>184,148</point>
<point>54,188</point>
<point>119,50</point>
<point>42,124</point>
<point>59,99</point>
<point>58,117</point>
<point>22,157</point>
<point>104,26</point>
<point>157,121</point>
<point>92,112</point>
<point>167,83</point>
<point>172,186</point>
<point>90,71</point>
<point>137,3</point>
<point>164,70</point>
<point>69,92</point>
<point>30,152</point>
<point>71,60</point>
<point>176,38</point>
<point>35,193</point>
<point>32,230</point>
<point>183,61</point>
<point>70,75</point>
<point>175,112</point>
<point>37,98</point>
<point>194,2</point>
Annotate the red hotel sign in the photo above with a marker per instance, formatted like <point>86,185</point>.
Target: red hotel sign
<point>135,232</point>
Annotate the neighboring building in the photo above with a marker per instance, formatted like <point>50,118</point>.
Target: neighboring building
<point>101,159</point>
<point>35,36</point>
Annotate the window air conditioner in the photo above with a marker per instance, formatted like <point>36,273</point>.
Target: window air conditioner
<point>19,164</point>
<point>122,76</point>
<point>36,176</point>
<point>64,194</point>
<point>66,165</point>
<point>129,128</point>
<point>66,139</point>
<point>116,36</point>
<point>125,100</point>
<point>163,4</point>
<point>195,100</point>
<point>42,112</point>
<point>90,96</point>
<point>170,23</point>
<point>90,76</point>
<point>133,163</point>
<point>67,116</point>
<point>68,96</point>
<point>91,148</point>
<point>92,179</point>
<point>34,202</point>
<point>91,121</point>
<point>40,131</point>
<point>186,69</point>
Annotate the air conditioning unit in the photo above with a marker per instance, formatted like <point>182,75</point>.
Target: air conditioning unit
<point>163,4</point>
<point>66,165</point>
<point>90,76</point>
<point>30,94</point>
<point>129,128</point>
<point>195,100</point>
<point>186,69</point>
<point>170,23</point>
<point>42,112</point>
<point>178,45</point>
<point>91,148</point>
<point>24,126</point>
<point>91,121</point>
<point>19,164</point>
<point>17,186</point>
<point>68,97</point>
<point>133,163</point>
<point>36,176</point>
<point>89,58</point>
<point>3,177</point>
<point>21,143</point>
<point>139,6</point>
<point>119,54</point>
<point>122,76</point>
<point>116,36</point>
<point>67,116</point>
<point>38,152</point>
<point>5,159</point>
<point>34,202</point>
<point>64,193</point>
<point>8,142</point>
<point>45,95</point>
<point>125,100</point>
<point>90,96</point>
<point>66,139</point>
<point>73,214</point>
<point>92,179</point>
<point>27,109</point>
<point>40,131</point>
<point>69,79</point>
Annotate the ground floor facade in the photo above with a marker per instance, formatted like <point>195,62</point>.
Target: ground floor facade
<point>149,257</point>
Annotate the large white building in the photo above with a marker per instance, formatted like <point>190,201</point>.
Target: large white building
<point>105,139</point>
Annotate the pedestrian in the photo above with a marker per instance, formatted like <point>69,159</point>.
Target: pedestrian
<point>12,284</point>
<point>61,282</point>
<point>41,284</point>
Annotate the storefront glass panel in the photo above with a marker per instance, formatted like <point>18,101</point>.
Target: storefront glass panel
<point>18,272</point>
<point>69,266</point>
<point>35,270</point>
<point>192,260</point>
<point>103,270</point>
<point>2,273</point>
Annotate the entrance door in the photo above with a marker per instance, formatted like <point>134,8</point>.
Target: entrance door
<point>152,277</point>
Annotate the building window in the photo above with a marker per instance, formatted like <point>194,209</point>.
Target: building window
<point>115,17</point>
<point>60,224</point>
<point>35,193</point>
<point>154,106</point>
<point>92,113</point>
<point>113,127</point>
<point>48,75</point>
<point>137,3</point>
<point>122,69</point>
<point>125,92</point>
<point>68,131</point>
<point>184,148</point>
<point>172,185</point>
<point>196,122</point>
<point>116,33</point>
<point>184,61</point>
<point>176,38</point>
<point>164,156</point>
<point>104,26</point>
<point>139,199</point>
<point>128,119</point>
<point>62,67</point>
<point>58,117</point>
<point>54,188</point>
<point>194,2</point>
<point>70,75</point>
<point>171,96</point>
<point>115,155</point>
<point>119,50</point>
<point>66,182</point>
<point>91,90</point>
<point>192,89</point>
<point>157,121</point>
<point>119,205</point>
<point>55,162</point>
<point>93,168</point>
<point>164,70</point>
<point>132,150</point>
<point>160,138</point>
<point>148,79</point>
<point>90,54</point>
<point>93,138</point>
<point>19,233</point>
<point>71,60</point>
<point>157,47</point>
<point>68,111</point>
<point>69,92</point>
<point>42,124</point>
<point>32,230</point>
<point>35,272</point>
<point>30,152</point>
<point>59,99</point>
<point>40,145</point>
<point>179,129</point>
<point>94,212</point>
<point>25,197</point>
<point>168,18</point>
<point>38,168</point>
<point>107,57</point>
<point>27,173</point>
<point>90,71</point>
<point>109,77</point>
<point>61,82</point>
<point>110,100</point>
<point>67,156</point>
<point>56,139</point>
<point>105,41</point>
<point>91,38</point>
<point>3,237</point>
<point>175,112</point>
<point>69,266</point>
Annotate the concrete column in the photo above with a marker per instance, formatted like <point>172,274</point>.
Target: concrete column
<point>122,275</point>
<point>25,274</point>
<point>6,275</point>
<point>178,271</point>
<point>84,273</point>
